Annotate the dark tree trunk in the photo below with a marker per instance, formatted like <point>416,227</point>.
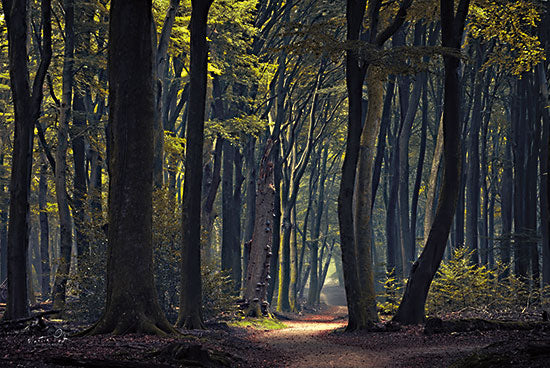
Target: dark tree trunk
<point>79,159</point>
<point>211,183</point>
<point>472,176</point>
<point>507,200</point>
<point>411,309</point>
<point>420,165</point>
<point>44,231</point>
<point>27,103</point>
<point>544,152</point>
<point>132,305</point>
<point>65,220</point>
<point>190,313</point>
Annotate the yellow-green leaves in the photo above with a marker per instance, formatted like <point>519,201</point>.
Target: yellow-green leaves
<point>510,28</point>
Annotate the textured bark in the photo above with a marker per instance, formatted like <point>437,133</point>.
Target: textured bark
<point>132,305</point>
<point>27,103</point>
<point>411,308</point>
<point>64,213</point>
<point>44,231</point>
<point>211,183</point>
<point>506,195</point>
<point>257,274</point>
<point>407,238</point>
<point>432,182</point>
<point>544,153</point>
<point>251,178</point>
<point>190,312</point>
<point>366,303</point>
<point>473,174</point>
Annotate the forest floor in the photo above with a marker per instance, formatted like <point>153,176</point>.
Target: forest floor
<point>311,339</point>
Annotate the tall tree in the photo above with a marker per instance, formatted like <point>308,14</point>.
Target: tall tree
<point>190,312</point>
<point>65,220</point>
<point>132,304</point>
<point>411,308</point>
<point>355,234</point>
<point>27,103</point>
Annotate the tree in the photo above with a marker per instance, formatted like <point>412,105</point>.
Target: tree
<point>27,103</point>
<point>132,304</point>
<point>355,235</point>
<point>411,308</point>
<point>190,315</point>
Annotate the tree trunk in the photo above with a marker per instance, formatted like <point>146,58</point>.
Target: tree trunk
<point>507,200</point>
<point>190,312</point>
<point>27,103</point>
<point>365,304</point>
<point>257,273</point>
<point>472,176</point>
<point>65,220</point>
<point>44,231</point>
<point>132,305</point>
<point>411,309</point>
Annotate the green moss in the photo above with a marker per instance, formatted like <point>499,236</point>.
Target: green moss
<point>259,323</point>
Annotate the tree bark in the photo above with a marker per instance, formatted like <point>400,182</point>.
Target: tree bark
<point>44,231</point>
<point>411,308</point>
<point>27,103</point>
<point>257,274</point>
<point>65,220</point>
<point>190,312</point>
<point>132,304</point>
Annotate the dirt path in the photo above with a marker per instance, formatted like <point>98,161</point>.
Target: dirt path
<point>309,342</point>
<point>305,345</point>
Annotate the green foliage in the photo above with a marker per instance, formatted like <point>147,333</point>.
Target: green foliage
<point>460,286</point>
<point>218,301</point>
<point>88,283</point>
<point>259,323</point>
<point>393,290</point>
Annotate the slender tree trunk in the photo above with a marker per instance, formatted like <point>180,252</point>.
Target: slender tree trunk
<point>472,177</point>
<point>544,154</point>
<point>27,103</point>
<point>65,220</point>
<point>411,308</point>
<point>507,200</point>
<point>44,231</point>
<point>190,312</point>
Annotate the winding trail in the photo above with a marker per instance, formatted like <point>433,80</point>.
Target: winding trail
<point>308,342</point>
<point>305,346</point>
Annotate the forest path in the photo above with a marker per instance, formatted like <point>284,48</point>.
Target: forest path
<point>304,344</point>
<point>308,342</point>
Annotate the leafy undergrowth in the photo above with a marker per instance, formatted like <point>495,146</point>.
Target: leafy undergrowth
<point>258,323</point>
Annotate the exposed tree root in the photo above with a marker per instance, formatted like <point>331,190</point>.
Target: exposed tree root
<point>139,323</point>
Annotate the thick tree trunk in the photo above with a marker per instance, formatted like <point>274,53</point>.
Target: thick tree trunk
<point>411,309</point>
<point>27,103</point>
<point>250,199</point>
<point>257,274</point>
<point>190,312</point>
<point>65,220</point>
<point>132,305</point>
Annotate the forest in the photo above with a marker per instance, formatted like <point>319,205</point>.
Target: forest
<point>245,183</point>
